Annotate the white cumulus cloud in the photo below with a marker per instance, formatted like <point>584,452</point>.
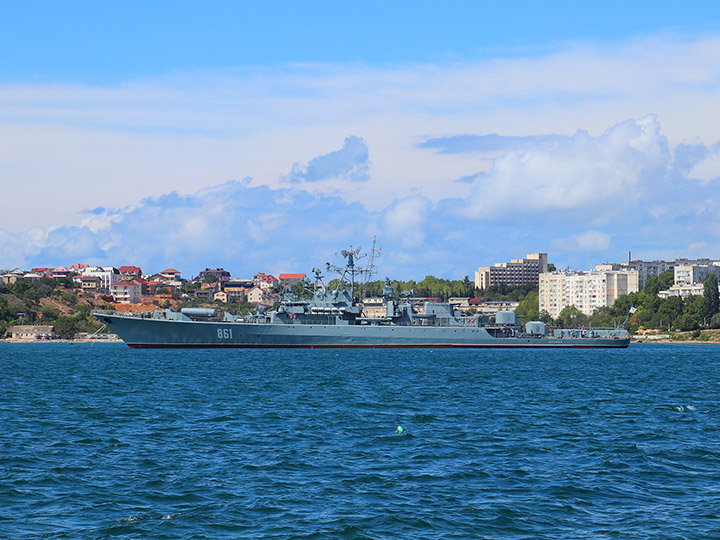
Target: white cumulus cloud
<point>593,177</point>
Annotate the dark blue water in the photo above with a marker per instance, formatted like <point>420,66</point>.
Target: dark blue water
<point>106,442</point>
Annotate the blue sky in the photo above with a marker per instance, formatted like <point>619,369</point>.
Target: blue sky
<point>267,136</point>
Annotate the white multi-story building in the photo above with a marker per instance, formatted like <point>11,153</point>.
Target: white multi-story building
<point>587,291</point>
<point>683,290</point>
<point>516,272</point>
<point>695,273</point>
<point>108,275</point>
<point>647,269</point>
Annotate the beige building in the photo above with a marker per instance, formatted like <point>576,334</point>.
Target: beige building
<point>32,332</point>
<point>126,292</point>
<point>255,295</point>
<point>587,291</point>
<point>491,307</point>
<point>516,272</point>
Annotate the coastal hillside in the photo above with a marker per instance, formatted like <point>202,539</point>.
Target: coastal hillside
<point>56,302</point>
<point>63,304</point>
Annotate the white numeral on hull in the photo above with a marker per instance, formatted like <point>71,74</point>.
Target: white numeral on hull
<point>224,333</point>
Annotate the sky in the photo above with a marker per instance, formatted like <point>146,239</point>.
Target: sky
<point>270,136</point>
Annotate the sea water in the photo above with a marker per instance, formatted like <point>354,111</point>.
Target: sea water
<point>107,442</point>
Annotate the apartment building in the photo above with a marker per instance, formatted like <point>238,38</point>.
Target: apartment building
<point>647,269</point>
<point>687,274</point>
<point>516,272</point>
<point>587,291</point>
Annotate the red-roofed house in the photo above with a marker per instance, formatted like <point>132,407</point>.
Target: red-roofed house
<point>60,272</point>
<point>130,271</point>
<point>171,273</point>
<point>265,281</point>
<point>291,279</point>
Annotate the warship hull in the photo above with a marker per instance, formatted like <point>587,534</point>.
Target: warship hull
<point>139,333</point>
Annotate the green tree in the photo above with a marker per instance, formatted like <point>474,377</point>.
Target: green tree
<point>49,313</point>
<point>715,321</point>
<point>571,316</point>
<point>25,290</point>
<point>545,317</point>
<point>65,327</point>
<point>302,291</point>
<point>711,297</point>
<point>687,322</point>
<point>529,308</point>
<point>670,309</point>
<point>602,317</point>
<point>661,282</point>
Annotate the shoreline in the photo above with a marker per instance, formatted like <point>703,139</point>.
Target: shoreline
<point>36,341</point>
<point>78,341</point>
<point>676,341</point>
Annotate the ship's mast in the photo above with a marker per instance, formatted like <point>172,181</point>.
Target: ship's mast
<point>349,270</point>
<point>370,269</point>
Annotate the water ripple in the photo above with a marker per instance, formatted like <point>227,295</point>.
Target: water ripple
<point>105,442</point>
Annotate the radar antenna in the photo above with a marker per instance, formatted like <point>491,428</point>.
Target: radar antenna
<point>318,280</point>
<point>350,270</point>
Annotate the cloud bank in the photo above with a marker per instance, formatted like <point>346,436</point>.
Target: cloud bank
<point>586,153</point>
<point>583,197</point>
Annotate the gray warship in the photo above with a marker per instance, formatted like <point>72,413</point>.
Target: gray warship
<point>332,319</point>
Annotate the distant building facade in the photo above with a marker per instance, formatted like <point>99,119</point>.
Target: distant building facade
<point>648,269</point>
<point>108,275</point>
<point>32,332</point>
<point>291,279</point>
<point>265,281</point>
<point>255,295</point>
<point>516,272</point>
<point>587,291</point>
<point>683,290</point>
<point>686,274</point>
<point>90,283</point>
<point>219,275</point>
<point>126,292</point>
<point>130,271</point>
<point>237,288</point>
<point>491,307</point>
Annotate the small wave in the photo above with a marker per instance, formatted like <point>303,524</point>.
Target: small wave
<point>682,408</point>
<point>424,417</point>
